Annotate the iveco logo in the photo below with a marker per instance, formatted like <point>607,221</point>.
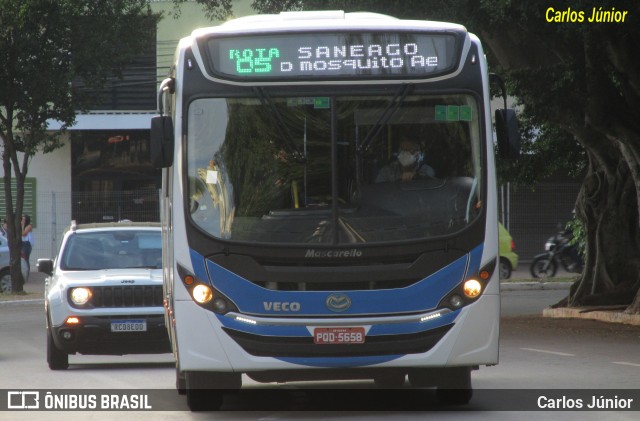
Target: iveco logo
<point>127,281</point>
<point>338,302</point>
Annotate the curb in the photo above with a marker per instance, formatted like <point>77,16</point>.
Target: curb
<point>30,301</point>
<point>531,286</point>
<point>26,301</point>
<point>592,314</point>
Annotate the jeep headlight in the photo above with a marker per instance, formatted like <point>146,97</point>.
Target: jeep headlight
<point>80,296</point>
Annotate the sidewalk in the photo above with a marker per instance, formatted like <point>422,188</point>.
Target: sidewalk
<point>35,285</point>
<point>604,314</point>
<point>34,289</point>
<point>613,314</point>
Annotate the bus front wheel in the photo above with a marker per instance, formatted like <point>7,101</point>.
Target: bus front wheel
<point>454,388</point>
<point>181,382</point>
<point>205,389</point>
<point>453,384</point>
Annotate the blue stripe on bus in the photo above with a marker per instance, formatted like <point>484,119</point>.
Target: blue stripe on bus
<point>197,262</point>
<point>475,256</point>
<point>421,296</point>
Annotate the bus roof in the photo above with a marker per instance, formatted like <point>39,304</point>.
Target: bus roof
<point>323,20</point>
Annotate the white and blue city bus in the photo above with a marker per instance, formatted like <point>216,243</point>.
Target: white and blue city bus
<point>303,238</point>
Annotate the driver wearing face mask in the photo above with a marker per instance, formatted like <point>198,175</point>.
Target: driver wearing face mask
<point>408,165</point>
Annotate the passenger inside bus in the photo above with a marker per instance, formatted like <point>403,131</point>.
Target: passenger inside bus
<point>407,165</point>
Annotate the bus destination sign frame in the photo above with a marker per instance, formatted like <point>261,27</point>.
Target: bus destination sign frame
<point>333,56</point>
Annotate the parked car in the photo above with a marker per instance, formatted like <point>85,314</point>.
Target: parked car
<point>508,258</point>
<point>104,294</point>
<point>5,275</point>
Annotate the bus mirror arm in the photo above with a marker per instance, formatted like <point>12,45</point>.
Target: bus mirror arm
<point>495,79</point>
<point>162,137</point>
<point>167,85</point>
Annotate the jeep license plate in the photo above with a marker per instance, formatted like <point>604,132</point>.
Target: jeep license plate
<point>128,325</point>
<point>338,335</point>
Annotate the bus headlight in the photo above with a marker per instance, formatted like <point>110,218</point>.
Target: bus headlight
<point>80,296</point>
<point>202,294</point>
<point>205,294</point>
<point>472,288</point>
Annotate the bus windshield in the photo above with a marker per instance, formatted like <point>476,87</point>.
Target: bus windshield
<point>271,169</point>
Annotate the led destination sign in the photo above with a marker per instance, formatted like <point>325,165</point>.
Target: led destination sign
<point>333,56</point>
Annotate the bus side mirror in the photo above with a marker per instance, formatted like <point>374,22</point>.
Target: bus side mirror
<point>161,141</point>
<point>507,134</point>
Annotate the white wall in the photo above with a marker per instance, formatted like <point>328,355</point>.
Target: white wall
<point>53,170</point>
<point>53,174</point>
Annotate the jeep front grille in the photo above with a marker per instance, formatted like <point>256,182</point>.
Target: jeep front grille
<point>127,296</point>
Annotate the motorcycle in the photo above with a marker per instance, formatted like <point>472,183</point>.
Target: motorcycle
<point>558,252</point>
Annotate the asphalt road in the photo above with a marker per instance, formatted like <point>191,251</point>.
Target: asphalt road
<point>536,355</point>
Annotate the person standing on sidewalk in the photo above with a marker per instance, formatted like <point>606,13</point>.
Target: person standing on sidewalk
<point>27,242</point>
<point>4,229</point>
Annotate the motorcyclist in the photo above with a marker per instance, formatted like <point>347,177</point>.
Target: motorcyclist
<point>559,252</point>
<point>565,236</point>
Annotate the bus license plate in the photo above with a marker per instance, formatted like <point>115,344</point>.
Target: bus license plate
<point>338,335</point>
<point>128,325</point>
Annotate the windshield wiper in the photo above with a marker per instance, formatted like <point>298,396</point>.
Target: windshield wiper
<point>289,144</point>
<point>391,109</point>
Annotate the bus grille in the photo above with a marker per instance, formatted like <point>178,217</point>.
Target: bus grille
<point>280,347</point>
<point>127,296</point>
<point>337,286</point>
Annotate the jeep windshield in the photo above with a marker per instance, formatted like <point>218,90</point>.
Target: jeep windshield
<point>113,249</point>
<point>339,170</point>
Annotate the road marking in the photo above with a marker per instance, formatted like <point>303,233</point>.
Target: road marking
<point>562,354</point>
<point>625,363</point>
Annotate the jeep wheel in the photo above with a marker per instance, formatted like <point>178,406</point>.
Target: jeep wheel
<point>57,359</point>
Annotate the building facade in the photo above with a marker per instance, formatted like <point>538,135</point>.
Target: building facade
<point>103,172</point>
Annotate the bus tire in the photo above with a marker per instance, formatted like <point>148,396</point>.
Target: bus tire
<point>181,382</point>
<point>205,389</point>
<point>422,377</point>
<point>390,380</point>
<point>454,387</point>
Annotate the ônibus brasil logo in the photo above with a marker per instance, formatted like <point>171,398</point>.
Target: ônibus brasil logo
<point>332,254</point>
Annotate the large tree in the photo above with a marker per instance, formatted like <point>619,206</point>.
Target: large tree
<point>46,45</point>
<point>575,79</point>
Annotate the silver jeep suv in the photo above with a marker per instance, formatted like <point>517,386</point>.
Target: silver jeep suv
<point>104,294</point>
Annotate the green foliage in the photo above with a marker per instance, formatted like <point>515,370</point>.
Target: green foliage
<point>546,151</point>
<point>576,226</point>
<point>44,47</point>
<point>214,9</point>
<point>276,6</point>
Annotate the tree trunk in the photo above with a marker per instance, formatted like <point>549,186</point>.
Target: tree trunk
<point>609,201</point>
<point>13,209</point>
<point>607,205</point>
